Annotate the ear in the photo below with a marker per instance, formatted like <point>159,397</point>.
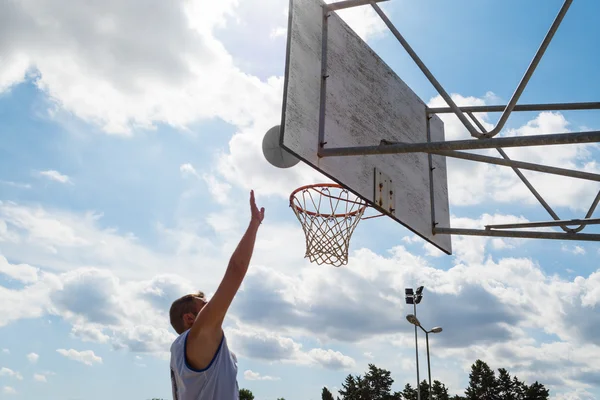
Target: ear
<point>189,318</point>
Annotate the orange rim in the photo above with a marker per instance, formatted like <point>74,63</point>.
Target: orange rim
<point>317,186</point>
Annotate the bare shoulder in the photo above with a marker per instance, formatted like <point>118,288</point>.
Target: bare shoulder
<point>202,346</point>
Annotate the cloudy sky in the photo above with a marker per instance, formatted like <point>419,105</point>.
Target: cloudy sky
<point>131,136</point>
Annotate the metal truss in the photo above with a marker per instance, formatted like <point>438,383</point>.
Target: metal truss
<point>484,139</point>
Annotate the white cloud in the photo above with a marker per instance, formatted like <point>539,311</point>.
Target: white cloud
<point>472,249</point>
<point>219,189</point>
<point>86,357</point>
<point>55,176</point>
<point>278,32</point>
<point>22,273</point>
<point>33,357</point>
<point>178,74</point>
<point>89,333</point>
<point>63,241</point>
<point>6,351</point>
<point>577,394</point>
<point>255,376</point>
<point>188,169</point>
<point>10,373</point>
<point>40,378</point>
<point>331,359</point>
<point>298,299</point>
<point>270,346</point>
<point>577,250</point>
<point>9,390</point>
<point>31,302</point>
<point>15,184</point>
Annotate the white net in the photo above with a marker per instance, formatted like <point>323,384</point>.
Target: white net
<point>328,214</point>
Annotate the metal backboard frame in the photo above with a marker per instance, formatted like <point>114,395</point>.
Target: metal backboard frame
<point>337,87</point>
<point>437,148</point>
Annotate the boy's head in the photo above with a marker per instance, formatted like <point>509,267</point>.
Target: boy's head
<point>184,310</point>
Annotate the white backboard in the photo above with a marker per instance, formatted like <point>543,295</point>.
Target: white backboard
<point>366,102</point>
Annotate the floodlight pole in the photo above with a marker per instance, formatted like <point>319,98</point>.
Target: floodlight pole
<point>417,355</point>
<point>415,321</point>
<point>415,298</point>
<point>428,361</point>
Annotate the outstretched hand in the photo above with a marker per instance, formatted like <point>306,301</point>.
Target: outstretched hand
<point>257,215</point>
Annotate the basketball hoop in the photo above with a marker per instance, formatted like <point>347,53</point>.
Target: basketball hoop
<point>328,214</point>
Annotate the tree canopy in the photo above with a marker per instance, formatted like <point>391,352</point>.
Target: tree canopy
<point>484,383</point>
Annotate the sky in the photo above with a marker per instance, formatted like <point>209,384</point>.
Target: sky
<point>130,138</point>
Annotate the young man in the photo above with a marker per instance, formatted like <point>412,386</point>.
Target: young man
<point>202,366</point>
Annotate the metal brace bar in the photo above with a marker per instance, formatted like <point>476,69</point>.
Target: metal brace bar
<point>323,95</point>
<point>545,224</point>
<point>431,168</point>
<point>530,69</point>
<point>518,234</point>
<point>521,176</point>
<point>426,71</point>
<point>519,90</point>
<point>590,211</point>
<point>520,164</point>
<point>340,5</point>
<point>521,107</point>
<point>469,144</point>
<point>529,185</point>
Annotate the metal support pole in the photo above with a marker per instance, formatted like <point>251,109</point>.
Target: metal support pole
<point>431,168</point>
<point>584,222</point>
<point>521,107</point>
<point>590,237</point>
<point>324,76</point>
<point>468,144</point>
<point>428,362</point>
<point>426,72</point>
<point>340,5</point>
<point>516,95</point>
<point>530,70</point>
<point>417,355</point>
<point>520,164</point>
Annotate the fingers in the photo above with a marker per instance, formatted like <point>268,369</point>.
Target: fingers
<point>255,210</point>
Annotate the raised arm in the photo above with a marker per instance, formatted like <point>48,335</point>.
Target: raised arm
<point>208,321</point>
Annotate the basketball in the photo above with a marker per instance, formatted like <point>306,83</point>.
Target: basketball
<point>274,153</point>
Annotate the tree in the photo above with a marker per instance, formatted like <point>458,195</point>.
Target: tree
<point>378,383</point>
<point>349,389</point>
<point>439,391</point>
<point>537,391</point>
<point>409,393</point>
<point>326,394</point>
<point>424,389</point>
<point>482,383</point>
<point>518,389</point>
<point>506,386</point>
<point>246,394</point>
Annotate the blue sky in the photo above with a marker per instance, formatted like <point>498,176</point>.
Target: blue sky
<point>130,142</point>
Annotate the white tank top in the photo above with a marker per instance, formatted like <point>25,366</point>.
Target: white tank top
<point>218,381</point>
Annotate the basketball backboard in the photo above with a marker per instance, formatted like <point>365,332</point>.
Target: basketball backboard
<point>361,102</point>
